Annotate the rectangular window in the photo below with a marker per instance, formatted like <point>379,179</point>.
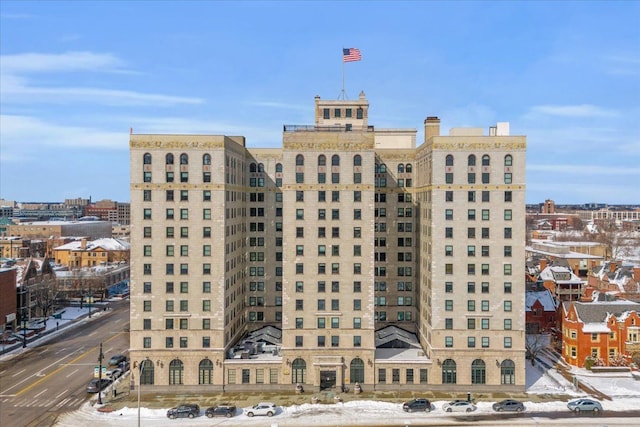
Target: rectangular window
<point>485,342</point>
<point>507,306</point>
<point>168,305</point>
<point>448,341</point>
<point>335,341</point>
<point>471,342</point>
<point>471,214</point>
<point>448,305</point>
<point>508,214</point>
<point>448,214</point>
<point>507,342</point>
<point>485,214</point>
<point>147,305</point>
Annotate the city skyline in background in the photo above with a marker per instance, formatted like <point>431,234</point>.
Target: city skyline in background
<point>76,77</point>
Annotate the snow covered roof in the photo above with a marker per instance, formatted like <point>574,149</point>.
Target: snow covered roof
<point>595,328</point>
<point>598,311</point>
<point>549,303</point>
<point>392,336</point>
<point>559,274</point>
<point>106,243</point>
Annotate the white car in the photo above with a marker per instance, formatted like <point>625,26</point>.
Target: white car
<point>459,406</point>
<point>262,408</point>
<point>113,374</point>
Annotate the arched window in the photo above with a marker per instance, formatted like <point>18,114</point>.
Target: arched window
<point>168,159</point>
<point>335,160</point>
<point>176,372</point>
<point>146,159</point>
<point>357,371</point>
<point>486,160</point>
<point>508,160</point>
<point>205,371</point>
<point>184,159</point>
<point>449,372</point>
<point>471,160</point>
<point>253,167</point>
<point>376,168</point>
<point>299,160</point>
<point>400,168</point>
<point>322,160</point>
<point>279,167</point>
<point>206,159</point>
<point>146,372</point>
<point>383,168</point>
<point>408,168</point>
<point>507,372</point>
<point>298,371</point>
<point>357,160</point>
<point>478,372</point>
<point>260,167</point>
<point>448,161</point>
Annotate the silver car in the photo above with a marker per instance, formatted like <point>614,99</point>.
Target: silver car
<point>581,405</point>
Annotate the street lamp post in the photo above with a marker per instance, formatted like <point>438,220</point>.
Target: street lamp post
<point>100,357</point>
<point>142,363</point>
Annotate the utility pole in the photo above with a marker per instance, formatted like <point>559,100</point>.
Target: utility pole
<point>100,357</point>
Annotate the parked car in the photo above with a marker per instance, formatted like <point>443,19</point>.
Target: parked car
<point>96,385</point>
<point>117,359</point>
<point>581,405</point>
<point>417,405</point>
<point>262,408</point>
<point>113,374</point>
<point>221,411</point>
<point>459,406</point>
<point>189,410</point>
<point>508,405</point>
<point>124,366</point>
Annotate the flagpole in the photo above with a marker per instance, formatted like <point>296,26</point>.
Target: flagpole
<point>342,93</point>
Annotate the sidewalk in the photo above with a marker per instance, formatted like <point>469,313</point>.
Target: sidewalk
<point>70,317</point>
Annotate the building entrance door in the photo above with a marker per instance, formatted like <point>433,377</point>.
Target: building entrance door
<point>327,379</point>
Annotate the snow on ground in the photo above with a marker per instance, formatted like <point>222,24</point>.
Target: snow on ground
<point>354,413</point>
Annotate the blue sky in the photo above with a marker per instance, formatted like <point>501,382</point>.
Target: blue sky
<point>76,76</point>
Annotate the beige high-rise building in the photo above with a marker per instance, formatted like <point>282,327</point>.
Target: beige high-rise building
<point>347,258</point>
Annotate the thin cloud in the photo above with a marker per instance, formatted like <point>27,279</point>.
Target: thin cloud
<point>68,61</point>
<point>582,110</point>
<point>24,132</point>
<point>583,169</point>
<point>279,105</point>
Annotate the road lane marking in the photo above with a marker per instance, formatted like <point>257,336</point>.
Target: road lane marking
<point>72,373</point>
<point>58,396</point>
<point>43,391</point>
<point>17,373</point>
<point>63,402</point>
<point>93,333</point>
<point>61,350</point>
<point>55,371</point>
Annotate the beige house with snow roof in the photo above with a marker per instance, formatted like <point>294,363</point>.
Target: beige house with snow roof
<point>83,253</point>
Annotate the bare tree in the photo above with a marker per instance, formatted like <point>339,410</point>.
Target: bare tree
<point>46,296</point>
<point>534,344</point>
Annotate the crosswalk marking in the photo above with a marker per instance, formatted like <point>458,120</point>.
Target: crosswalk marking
<point>44,403</point>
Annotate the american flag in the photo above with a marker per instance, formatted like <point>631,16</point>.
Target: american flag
<point>351,54</point>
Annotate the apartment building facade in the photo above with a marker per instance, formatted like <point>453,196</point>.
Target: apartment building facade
<point>354,256</point>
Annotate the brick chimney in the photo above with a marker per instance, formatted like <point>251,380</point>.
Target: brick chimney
<point>612,266</point>
<point>636,274</point>
<point>431,127</point>
<point>83,244</point>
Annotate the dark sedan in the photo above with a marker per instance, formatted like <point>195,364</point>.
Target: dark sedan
<point>221,411</point>
<point>508,405</point>
<point>96,385</point>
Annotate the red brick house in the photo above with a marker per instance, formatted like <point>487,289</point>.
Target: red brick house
<point>607,331</point>
<point>541,311</point>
